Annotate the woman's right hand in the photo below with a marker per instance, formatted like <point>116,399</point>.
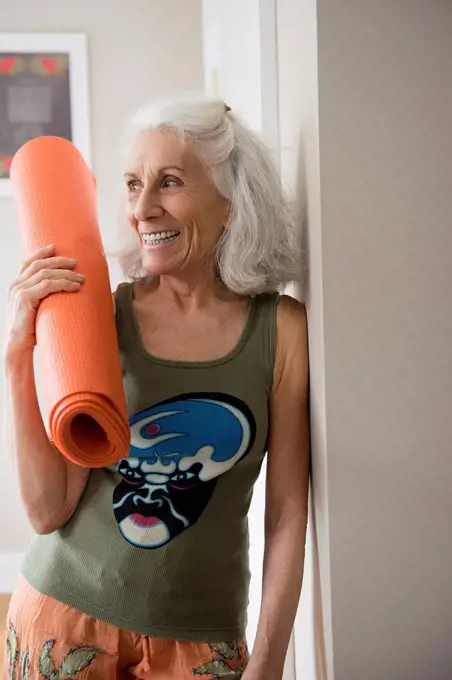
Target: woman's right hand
<point>40,276</point>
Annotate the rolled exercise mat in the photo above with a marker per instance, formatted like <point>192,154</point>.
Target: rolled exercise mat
<point>55,196</point>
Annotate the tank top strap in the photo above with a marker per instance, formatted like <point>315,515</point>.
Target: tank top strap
<point>260,348</point>
<point>124,314</point>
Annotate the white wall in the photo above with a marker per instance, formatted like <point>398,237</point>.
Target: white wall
<point>232,46</point>
<point>374,106</point>
<point>138,50</point>
<point>297,95</point>
<point>240,61</point>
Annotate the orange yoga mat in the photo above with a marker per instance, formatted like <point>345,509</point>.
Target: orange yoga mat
<point>55,196</point>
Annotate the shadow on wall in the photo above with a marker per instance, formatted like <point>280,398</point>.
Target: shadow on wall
<point>319,639</point>
<point>301,209</point>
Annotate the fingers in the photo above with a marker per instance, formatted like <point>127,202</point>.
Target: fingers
<point>54,274</point>
<point>41,275</point>
<point>47,264</point>
<point>48,286</point>
<point>46,251</point>
<point>41,260</point>
<point>30,297</point>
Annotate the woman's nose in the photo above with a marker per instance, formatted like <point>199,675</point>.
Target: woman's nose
<point>148,207</point>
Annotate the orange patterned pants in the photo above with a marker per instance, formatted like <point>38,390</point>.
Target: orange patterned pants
<point>46,640</point>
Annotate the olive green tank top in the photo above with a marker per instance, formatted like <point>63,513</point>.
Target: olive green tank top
<point>159,542</point>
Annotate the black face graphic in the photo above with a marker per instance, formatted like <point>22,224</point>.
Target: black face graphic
<point>179,449</point>
<point>162,512</point>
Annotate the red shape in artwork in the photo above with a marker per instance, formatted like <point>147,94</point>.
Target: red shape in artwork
<point>7,64</point>
<point>153,428</point>
<point>50,65</point>
<point>7,161</point>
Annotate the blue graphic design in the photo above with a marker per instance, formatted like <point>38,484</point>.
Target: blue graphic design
<point>178,450</point>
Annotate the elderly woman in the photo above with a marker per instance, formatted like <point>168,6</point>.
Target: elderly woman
<point>141,570</point>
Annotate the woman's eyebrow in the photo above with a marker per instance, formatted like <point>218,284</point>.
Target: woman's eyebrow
<point>172,167</point>
<point>132,175</point>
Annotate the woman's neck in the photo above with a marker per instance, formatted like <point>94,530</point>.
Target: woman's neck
<point>189,292</point>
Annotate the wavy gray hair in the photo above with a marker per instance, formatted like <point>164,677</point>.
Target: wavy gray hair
<point>259,251</point>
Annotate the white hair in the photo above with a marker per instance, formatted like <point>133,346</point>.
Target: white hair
<point>259,251</point>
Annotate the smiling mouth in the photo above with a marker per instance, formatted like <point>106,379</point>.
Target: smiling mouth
<point>159,238</point>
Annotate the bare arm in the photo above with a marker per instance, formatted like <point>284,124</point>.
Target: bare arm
<point>50,486</point>
<point>287,495</point>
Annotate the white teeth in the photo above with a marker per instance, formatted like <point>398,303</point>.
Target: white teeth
<point>155,238</point>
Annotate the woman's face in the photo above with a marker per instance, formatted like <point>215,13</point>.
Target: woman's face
<point>173,205</point>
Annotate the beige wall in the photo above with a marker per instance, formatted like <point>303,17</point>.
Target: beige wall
<point>298,121</point>
<point>138,50</point>
<point>375,114</point>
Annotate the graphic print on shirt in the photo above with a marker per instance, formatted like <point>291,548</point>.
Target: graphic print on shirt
<point>178,450</point>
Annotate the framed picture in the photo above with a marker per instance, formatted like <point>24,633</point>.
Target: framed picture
<point>43,91</point>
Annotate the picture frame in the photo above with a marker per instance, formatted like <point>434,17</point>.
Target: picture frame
<point>44,90</point>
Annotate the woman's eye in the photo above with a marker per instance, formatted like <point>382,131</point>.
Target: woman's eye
<point>169,182</point>
<point>133,186</point>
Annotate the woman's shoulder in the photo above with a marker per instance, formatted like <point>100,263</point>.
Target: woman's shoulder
<point>292,354</point>
<point>291,322</point>
<point>290,308</point>
<point>120,289</point>
<point>288,313</point>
